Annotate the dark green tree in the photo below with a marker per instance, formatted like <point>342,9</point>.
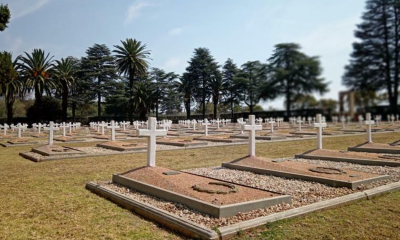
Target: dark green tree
<point>202,68</point>
<point>291,73</point>
<point>36,69</point>
<point>375,60</point>
<point>143,97</point>
<point>5,16</point>
<point>99,68</point>
<point>10,83</point>
<point>218,88</point>
<point>64,74</point>
<point>249,81</point>
<point>131,59</point>
<point>186,86</point>
<point>163,82</point>
<point>117,99</point>
<point>234,91</point>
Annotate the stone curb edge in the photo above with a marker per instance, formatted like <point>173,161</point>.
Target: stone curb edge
<point>191,229</point>
<point>229,231</point>
<point>183,226</point>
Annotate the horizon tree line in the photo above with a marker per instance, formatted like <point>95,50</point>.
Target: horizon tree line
<point>124,82</point>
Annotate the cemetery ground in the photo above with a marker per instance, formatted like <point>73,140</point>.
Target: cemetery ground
<point>49,200</point>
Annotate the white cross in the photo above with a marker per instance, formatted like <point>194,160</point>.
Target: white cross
<point>152,134</point>
<point>20,127</point>
<point>272,124</point>
<point>125,124</point>
<point>4,127</point>
<point>218,122</point>
<point>241,122</point>
<point>64,128</point>
<point>51,130</point>
<point>369,122</point>
<point>205,124</point>
<point>113,127</point>
<point>319,125</point>
<point>194,122</point>
<point>252,134</point>
<point>343,120</point>
<point>136,124</point>
<point>299,121</point>
<point>102,125</point>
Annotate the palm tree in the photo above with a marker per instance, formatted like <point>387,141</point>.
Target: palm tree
<point>64,74</point>
<point>9,82</point>
<point>36,71</point>
<point>132,61</point>
<point>143,97</point>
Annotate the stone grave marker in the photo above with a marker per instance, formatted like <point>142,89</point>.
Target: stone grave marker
<point>51,130</point>
<point>251,128</point>
<point>151,134</point>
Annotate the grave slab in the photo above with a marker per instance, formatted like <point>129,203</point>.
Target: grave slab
<point>392,148</point>
<point>216,198</point>
<point>352,157</point>
<point>220,139</point>
<point>123,146</point>
<point>334,177</point>
<point>261,136</point>
<point>68,139</point>
<point>18,142</point>
<point>54,150</point>
<point>180,142</point>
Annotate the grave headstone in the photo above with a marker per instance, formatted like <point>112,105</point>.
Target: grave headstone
<point>251,128</point>
<point>151,134</point>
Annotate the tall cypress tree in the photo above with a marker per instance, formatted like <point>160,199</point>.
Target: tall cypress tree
<point>99,68</point>
<point>375,63</point>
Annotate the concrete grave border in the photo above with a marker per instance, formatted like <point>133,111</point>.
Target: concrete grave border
<point>199,205</point>
<point>358,148</point>
<point>350,160</point>
<point>194,230</point>
<point>331,182</point>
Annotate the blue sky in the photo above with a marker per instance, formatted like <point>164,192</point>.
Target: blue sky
<point>237,29</point>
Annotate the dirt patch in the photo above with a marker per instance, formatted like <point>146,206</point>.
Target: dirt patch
<point>183,183</point>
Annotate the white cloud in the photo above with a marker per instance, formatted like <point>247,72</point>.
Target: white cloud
<point>172,64</point>
<point>20,8</point>
<point>175,31</point>
<point>135,9</point>
<point>330,38</point>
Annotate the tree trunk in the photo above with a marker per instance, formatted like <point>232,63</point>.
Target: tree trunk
<point>215,107</point>
<point>204,98</point>
<point>38,104</point>
<point>131,102</point>
<point>232,108</point>
<point>288,103</point>
<point>157,103</point>
<point>73,108</point>
<point>10,111</point>
<point>98,106</point>
<point>187,107</point>
<point>396,52</point>
<point>387,58</point>
<point>64,101</point>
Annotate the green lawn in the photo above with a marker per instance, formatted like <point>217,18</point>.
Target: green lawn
<point>49,201</point>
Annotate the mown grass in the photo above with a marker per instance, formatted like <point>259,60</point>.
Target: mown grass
<point>49,201</point>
